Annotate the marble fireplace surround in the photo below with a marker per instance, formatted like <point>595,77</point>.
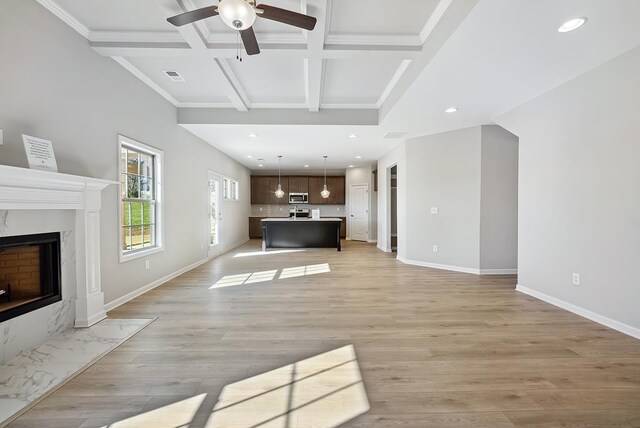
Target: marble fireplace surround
<point>29,189</point>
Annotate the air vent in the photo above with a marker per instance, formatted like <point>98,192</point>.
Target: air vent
<point>392,135</point>
<point>174,75</point>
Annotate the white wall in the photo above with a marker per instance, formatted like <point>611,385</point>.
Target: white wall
<point>53,85</point>
<point>579,204</point>
<point>362,175</point>
<point>499,199</point>
<point>395,157</point>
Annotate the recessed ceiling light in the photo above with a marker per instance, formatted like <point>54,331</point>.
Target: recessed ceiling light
<point>350,166</point>
<point>260,165</point>
<point>451,110</point>
<point>353,136</point>
<point>306,166</point>
<point>249,156</point>
<point>358,157</point>
<point>572,24</point>
<point>253,135</point>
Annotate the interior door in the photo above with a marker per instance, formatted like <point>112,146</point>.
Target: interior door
<point>215,214</point>
<point>359,212</point>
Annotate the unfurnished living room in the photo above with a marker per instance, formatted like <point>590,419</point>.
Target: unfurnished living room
<point>319,213</point>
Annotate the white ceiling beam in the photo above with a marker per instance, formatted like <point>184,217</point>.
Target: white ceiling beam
<point>273,50</point>
<point>314,63</point>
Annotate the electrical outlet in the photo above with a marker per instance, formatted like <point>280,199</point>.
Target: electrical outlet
<point>202,245</point>
<point>338,209</point>
<point>260,209</point>
<point>576,278</point>
<point>1,137</point>
<point>146,264</point>
<point>435,248</point>
<point>434,210</point>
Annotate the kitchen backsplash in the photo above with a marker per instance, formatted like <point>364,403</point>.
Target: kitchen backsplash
<point>283,210</point>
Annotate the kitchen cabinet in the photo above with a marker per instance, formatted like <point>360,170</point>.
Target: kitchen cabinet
<point>263,189</point>
<point>298,184</point>
<point>255,227</point>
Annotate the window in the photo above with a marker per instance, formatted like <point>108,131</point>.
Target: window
<point>140,170</point>
<point>230,189</point>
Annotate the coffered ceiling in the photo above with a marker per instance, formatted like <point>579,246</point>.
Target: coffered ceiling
<point>354,58</point>
<point>370,68</point>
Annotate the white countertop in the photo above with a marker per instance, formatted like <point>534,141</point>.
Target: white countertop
<point>302,220</point>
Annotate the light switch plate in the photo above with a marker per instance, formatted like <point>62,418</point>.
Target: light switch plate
<point>576,278</point>
<point>435,248</point>
<point>434,210</point>
<point>1,138</point>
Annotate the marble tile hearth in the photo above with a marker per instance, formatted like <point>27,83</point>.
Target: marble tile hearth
<point>30,375</point>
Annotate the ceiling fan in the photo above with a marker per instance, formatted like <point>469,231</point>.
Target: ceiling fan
<point>241,14</point>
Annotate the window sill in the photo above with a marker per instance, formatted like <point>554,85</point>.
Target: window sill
<point>139,254</point>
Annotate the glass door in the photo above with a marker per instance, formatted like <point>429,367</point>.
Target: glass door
<point>215,215</point>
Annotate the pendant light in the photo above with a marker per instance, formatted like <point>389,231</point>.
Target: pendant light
<point>279,191</point>
<point>325,192</point>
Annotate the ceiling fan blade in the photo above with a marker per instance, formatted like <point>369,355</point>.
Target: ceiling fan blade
<point>193,16</point>
<point>287,17</point>
<point>250,42</point>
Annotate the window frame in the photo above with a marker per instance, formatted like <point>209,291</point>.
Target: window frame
<point>230,189</point>
<point>158,169</point>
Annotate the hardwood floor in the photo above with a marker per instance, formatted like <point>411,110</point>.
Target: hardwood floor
<point>434,348</point>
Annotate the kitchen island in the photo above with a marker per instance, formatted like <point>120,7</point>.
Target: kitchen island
<point>287,232</point>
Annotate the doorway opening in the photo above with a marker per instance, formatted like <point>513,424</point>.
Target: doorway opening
<point>215,215</point>
<point>394,208</point>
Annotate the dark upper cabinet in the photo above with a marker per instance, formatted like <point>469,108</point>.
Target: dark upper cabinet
<point>315,187</point>
<point>298,184</point>
<point>263,189</point>
<point>336,187</point>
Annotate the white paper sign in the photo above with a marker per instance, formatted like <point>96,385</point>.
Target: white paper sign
<point>40,153</point>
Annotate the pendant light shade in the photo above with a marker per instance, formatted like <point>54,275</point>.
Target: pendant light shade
<point>279,191</point>
<point>325,192</point>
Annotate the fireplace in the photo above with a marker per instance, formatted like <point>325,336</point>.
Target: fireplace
<point>29,273</point>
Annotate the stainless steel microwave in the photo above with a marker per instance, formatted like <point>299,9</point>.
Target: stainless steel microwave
<point>298,198</point>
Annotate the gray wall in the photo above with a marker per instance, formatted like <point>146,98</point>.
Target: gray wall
<point>499,199</point>
<point>54,86</point>
<point>471,176</point>
<point>443,171</point>
<point>579,206</point>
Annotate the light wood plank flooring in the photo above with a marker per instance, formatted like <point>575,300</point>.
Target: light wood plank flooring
<point>434,348</point>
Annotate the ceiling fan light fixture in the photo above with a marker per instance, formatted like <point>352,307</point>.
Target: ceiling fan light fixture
<point>237,14</point>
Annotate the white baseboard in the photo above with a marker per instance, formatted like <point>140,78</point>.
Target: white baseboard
<point>458,268</point>
<point>372,241</point>
<point>600,319</point>
<point>158,282</point>
<point>233,247</point>
<point>498,271</point>
<point>383,249</point>
<point>439,266</point>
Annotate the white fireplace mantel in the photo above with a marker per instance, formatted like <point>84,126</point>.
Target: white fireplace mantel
<point>29,189</point>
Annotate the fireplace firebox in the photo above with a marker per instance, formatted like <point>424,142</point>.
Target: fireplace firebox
<point>29,273</point>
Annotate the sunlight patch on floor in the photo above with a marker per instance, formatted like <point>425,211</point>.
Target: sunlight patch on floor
<point>304,271</point>
<point>178,414</point>
<point>269,275</point>
<point>322,391</point>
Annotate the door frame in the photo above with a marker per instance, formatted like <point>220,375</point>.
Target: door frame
<point>368,209</point>
<point>214,250</point>
<point>388,247</point>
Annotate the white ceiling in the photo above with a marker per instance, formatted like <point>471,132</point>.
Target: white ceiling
<point>407,60</point>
